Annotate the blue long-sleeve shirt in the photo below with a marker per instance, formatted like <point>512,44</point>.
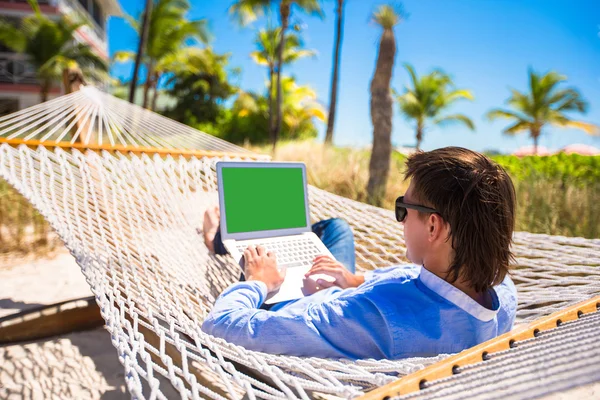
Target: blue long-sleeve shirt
<point>401,311</point>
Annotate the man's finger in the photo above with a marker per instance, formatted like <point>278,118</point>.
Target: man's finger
<point>324,270</point>
<point>323,284</point>
<point>323,261</point>
<point>260,250</point>
<point>247,254</point>
<point>322,256</point>
<point>322,264</point>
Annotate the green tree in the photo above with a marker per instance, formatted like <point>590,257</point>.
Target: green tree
<point>249,10</point>
<point>544,104</point>
<point>169,31</point>
<point>381,104</point>
<point>51,48</point>
<point>200,83</point>
<point>429,96</point>
<point>339,32</point>
<point>249,114</point>
<point>267,43</point>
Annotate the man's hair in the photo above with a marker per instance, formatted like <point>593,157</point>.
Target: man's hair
<point>477,198</point>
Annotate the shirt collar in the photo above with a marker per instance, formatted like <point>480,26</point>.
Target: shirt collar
<point>458,297</point>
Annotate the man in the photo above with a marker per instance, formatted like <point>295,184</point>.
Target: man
<point>458,215</point>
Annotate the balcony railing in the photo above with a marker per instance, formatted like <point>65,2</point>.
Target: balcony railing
<point>14,68</point>
<point>79,9</point>
<point>41,2</point>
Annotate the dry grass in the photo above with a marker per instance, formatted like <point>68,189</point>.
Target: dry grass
<point>543,205</point>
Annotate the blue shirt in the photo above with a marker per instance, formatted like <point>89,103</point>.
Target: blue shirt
<point>401,311</point>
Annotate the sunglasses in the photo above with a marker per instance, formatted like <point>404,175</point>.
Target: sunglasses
<point>401,209</point>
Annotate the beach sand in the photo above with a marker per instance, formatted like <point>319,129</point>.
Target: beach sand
<point>81,365</point>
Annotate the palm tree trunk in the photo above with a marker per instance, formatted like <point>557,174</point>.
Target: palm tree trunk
<point>535,134</point>
<point>284,11</point>
<point>141,47</point>
<point>44,89</point>
<point>270,101</point>
<point>381,117</point>
<point>419,135</point>
<point>336,66</point>
<point>155,94</point>
<point>148,83</point>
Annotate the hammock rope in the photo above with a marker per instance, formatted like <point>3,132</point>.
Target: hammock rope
<point>130,218</point>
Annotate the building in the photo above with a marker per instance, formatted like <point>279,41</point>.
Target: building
<point>18,85</point>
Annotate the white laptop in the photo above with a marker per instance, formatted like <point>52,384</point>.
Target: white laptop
<point>266,203</point>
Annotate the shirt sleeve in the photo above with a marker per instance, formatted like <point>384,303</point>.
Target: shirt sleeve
<point>345,327</point>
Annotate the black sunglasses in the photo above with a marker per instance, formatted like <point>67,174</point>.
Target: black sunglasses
<point>401,207</point>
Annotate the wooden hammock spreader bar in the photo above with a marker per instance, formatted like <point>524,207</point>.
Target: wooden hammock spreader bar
<point>187,154</point>
<point>445,368</point>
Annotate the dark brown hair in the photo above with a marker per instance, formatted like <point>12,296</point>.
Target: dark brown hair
<point>477,198</point>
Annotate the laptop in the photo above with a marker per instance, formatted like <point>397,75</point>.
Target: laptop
<point>266,203</point>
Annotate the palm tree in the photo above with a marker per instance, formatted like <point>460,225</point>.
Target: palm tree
<point>300,106</point>
<point>428,97</point>
<point>141,46</point>
<point>168,31</point>
<point>545,104</point>
<point>201,83</point>
<point>339,32</point>
<point>249,10</point>
<point>51,48</point>
<point>381,104</point>
<point>267,42</point>
<point>300,109</point>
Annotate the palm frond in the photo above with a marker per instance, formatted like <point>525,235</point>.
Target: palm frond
<point>507,114</point>
<point>454,118</point>
<point>459,94</point>
<point>12,37</point>
<point>246,12</point>
<point>388,16</point>
<point>517,127</point>
<point>123,56</point>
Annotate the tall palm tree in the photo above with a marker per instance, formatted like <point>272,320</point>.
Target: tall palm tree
<point>141,46</point>
<point>339,32</point>
<point>545,104</point>
<point>249,10</point>
<point>428,97</point>
<point>267,43</point>
<point>381,104</point>
<point>51,48</point>
<point>168,31</point>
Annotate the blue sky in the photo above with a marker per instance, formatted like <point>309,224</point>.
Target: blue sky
<point>486,45</point>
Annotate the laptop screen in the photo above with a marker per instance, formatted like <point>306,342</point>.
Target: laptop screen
<point>260,199</point>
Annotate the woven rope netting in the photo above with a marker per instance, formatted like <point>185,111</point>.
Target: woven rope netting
<point>130,221</point>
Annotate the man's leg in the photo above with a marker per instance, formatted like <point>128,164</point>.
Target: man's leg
<point>337,236</point>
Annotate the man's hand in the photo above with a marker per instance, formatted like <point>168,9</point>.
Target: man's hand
<point>324,264</point>
<point>262,266</point>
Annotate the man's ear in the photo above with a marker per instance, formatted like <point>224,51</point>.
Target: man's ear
<point>436,227</point>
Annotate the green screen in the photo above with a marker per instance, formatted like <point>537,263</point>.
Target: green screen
<point>260,199</point>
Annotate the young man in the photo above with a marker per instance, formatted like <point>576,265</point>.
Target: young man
<point>458,215</point>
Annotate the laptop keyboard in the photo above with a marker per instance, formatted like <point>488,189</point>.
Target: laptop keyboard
<point>296,253</point>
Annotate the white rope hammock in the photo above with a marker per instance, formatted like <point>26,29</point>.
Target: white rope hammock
<point>130,221</point>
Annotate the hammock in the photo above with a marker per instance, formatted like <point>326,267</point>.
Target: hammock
<point>126,189</point>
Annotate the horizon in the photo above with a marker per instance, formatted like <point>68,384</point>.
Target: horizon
<point>486,47</point>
